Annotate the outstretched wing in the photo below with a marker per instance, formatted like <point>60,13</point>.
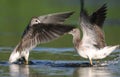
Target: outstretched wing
<point>56,18</point>
<point>99,16</point>
<point>91,27</point>
<point>41,33</point>
<point>49,28</point>
<point>40,30</point>
<point>97,19</point>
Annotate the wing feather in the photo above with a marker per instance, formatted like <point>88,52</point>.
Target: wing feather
<point>91,27</point>
<point>99,16</point>
<point>58,18</point>
<point>41,33</point>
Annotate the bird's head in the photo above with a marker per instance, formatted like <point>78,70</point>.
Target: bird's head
<point>75,32</point>
<point>34,21</point>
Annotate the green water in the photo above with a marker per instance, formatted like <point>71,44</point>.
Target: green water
<point>14,17</point>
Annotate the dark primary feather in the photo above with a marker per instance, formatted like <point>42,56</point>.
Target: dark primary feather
<point>82,5</point>
<point>83,12</point>
<point>41,33</point>
<point>84,19</point>
<point>57,18</point>
<point>99,16</point>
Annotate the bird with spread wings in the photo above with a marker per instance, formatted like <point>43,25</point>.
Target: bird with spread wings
<point>40,29</point>
<point>92,45</point>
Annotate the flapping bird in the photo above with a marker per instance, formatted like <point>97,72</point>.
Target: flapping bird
<point>40,29</point>
<point>92,45</point>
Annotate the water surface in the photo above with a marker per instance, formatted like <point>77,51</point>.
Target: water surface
<point>49,59</point>
<point>61,68</point>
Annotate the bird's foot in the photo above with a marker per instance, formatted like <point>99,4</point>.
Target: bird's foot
<point>26,62</point>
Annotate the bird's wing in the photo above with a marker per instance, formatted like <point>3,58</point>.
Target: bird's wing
<point>97,19</point>
<point>56,18</point>
<point>41,33</point>
<point>99,16</point>
<point>91,27</point>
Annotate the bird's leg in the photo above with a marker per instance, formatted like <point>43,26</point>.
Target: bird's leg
<point>26,62</point>
<point>91,63</point>
<point>26,58</point>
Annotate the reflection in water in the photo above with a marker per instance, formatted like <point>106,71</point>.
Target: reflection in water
<point>24,71</point>
<point>19,70</point>
<point>49,71</point>
<point>92,72</point>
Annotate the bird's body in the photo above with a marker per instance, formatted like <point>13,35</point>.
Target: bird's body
<point>40,29</point>
<point>92,52</point>
<point>95,53</point>
<point>92,45</point>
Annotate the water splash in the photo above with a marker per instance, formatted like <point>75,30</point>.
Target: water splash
<point>71,63</point>
<point>115,61</point>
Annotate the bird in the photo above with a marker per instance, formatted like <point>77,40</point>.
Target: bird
<point>92,45</point>
<point>41,29</point>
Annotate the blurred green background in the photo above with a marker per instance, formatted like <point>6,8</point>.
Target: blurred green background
<point>16,14</point>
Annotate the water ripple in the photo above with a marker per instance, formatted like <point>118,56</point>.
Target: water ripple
<point>54,50</point>
<point>41,49</point>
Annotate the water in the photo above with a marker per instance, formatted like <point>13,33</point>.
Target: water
<point>60,68</point>
<point>57,58</point>
<point>48,71</point>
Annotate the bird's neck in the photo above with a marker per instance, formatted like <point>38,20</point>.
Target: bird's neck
<point>76,41</point>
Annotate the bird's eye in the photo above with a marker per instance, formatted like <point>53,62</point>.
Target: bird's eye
<point>36,21</point>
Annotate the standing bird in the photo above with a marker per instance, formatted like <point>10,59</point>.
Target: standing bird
<point>40,29</point>
<point>92,45</point>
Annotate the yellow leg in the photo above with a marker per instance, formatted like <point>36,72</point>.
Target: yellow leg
<point>26,58</point>
<point>91,61</point>
<point>26,62</point>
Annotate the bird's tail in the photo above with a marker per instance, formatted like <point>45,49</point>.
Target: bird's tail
<point>107,51</point>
